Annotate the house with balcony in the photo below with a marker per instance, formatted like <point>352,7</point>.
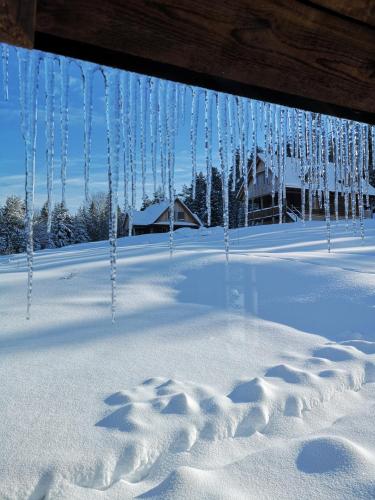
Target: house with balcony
<point>264,207</point>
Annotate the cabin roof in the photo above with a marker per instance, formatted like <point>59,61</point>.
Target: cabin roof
<point>152,213</point>
<point>293,179</point>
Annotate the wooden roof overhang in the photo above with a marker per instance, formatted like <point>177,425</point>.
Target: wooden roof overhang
<point>318,55</point>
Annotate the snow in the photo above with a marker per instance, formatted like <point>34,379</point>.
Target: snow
<point>247,380</point>
<point>150,214</point>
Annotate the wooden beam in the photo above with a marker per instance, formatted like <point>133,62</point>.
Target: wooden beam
<point>361,10</point>
<point>288,51</point>
<point>17,22</point>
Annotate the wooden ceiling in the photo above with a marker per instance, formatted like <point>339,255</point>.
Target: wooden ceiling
<point>314,54</point>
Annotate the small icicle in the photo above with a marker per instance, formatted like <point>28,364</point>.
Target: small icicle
<point>112,96</point>
<point>5,67</point>
<point>208,150</point>
<point>233,141</point>
<point>193,137</point>
<point>64,118</point>
<point>50,133</point>
<point>124,96</point>
<point>87,74</point>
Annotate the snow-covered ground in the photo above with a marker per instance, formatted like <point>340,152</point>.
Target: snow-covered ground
<point>249,380</point>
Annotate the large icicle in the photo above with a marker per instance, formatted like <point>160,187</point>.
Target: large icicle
<point>325,154</point>
<point>131,112</point>
<point>162,112</point>
<point>222,130</point>
<point>29,69</point>
<point>143,88</point>
<point>124,96</point>
<point>193,137</point>
<point>50,133</point>
<point>64,121</point>
<point>87,72</point>
<point>170,122</point>
<point>208,150</point>
<point>112,96</point>
<point>154,92</point>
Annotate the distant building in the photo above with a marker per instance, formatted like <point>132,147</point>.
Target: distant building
<point>263,209</point>
<point>155,218</point>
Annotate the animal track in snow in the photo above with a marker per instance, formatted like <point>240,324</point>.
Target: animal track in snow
<point>163,416</point>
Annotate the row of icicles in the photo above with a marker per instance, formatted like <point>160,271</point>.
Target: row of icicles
<point>143,117</point>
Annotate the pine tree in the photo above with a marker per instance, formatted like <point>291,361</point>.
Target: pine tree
<point>62,226</point>
<point>12,225</point>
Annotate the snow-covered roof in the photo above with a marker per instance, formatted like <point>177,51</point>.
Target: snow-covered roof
<point>293,179</point>
<point>152,213</point>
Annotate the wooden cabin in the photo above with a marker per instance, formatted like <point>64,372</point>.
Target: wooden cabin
<point>264,209</point>
<point>155,218</point>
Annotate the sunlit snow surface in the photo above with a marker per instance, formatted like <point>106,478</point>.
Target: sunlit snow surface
<point>242,381</point>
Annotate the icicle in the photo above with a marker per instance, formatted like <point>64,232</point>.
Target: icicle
<point>143,88</point>
<point>154,91</point>
<point>254,140</point>
<point>64,117</point>
<point>193,137</point>
<point>162,112</point>
<point>124,95</point>
<point>302,156</point>
<point>87,73</point>
<point>360,158</point>
<point>131,122</point>
<point>335,152</point>
<point>208,150</point>
<point>243,162</point>
<point>112,96</point>
<point>325,154</point>
<point>346,173</point>
<point>354,154</point>
<point>366,161</point>
<point>5,66</point>
<point>29,66</point>
<point>170,122</point>
<point>221,108</point>
<point>232,131</point>
<point>50,133</point>
<point>281,159</point>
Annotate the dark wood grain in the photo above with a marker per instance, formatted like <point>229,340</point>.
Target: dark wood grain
<point>283,47</point>
<point>361,10</point>
<point>17,22</point>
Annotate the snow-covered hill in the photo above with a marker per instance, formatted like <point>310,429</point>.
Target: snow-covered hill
<point>249,380</point>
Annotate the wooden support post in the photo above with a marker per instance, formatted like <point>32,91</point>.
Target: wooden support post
<point>17,22</point>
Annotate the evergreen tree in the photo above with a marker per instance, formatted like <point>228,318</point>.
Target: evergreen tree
<point>62,226</point>
<point>12,226</point>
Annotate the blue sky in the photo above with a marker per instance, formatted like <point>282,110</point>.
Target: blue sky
<point>12,146</point>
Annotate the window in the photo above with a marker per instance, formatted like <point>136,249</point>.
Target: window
<point>180,215</point>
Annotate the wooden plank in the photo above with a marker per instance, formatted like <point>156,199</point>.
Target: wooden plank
<point>361,10</point>
<point>17,22</point>
<point>286,51</point>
